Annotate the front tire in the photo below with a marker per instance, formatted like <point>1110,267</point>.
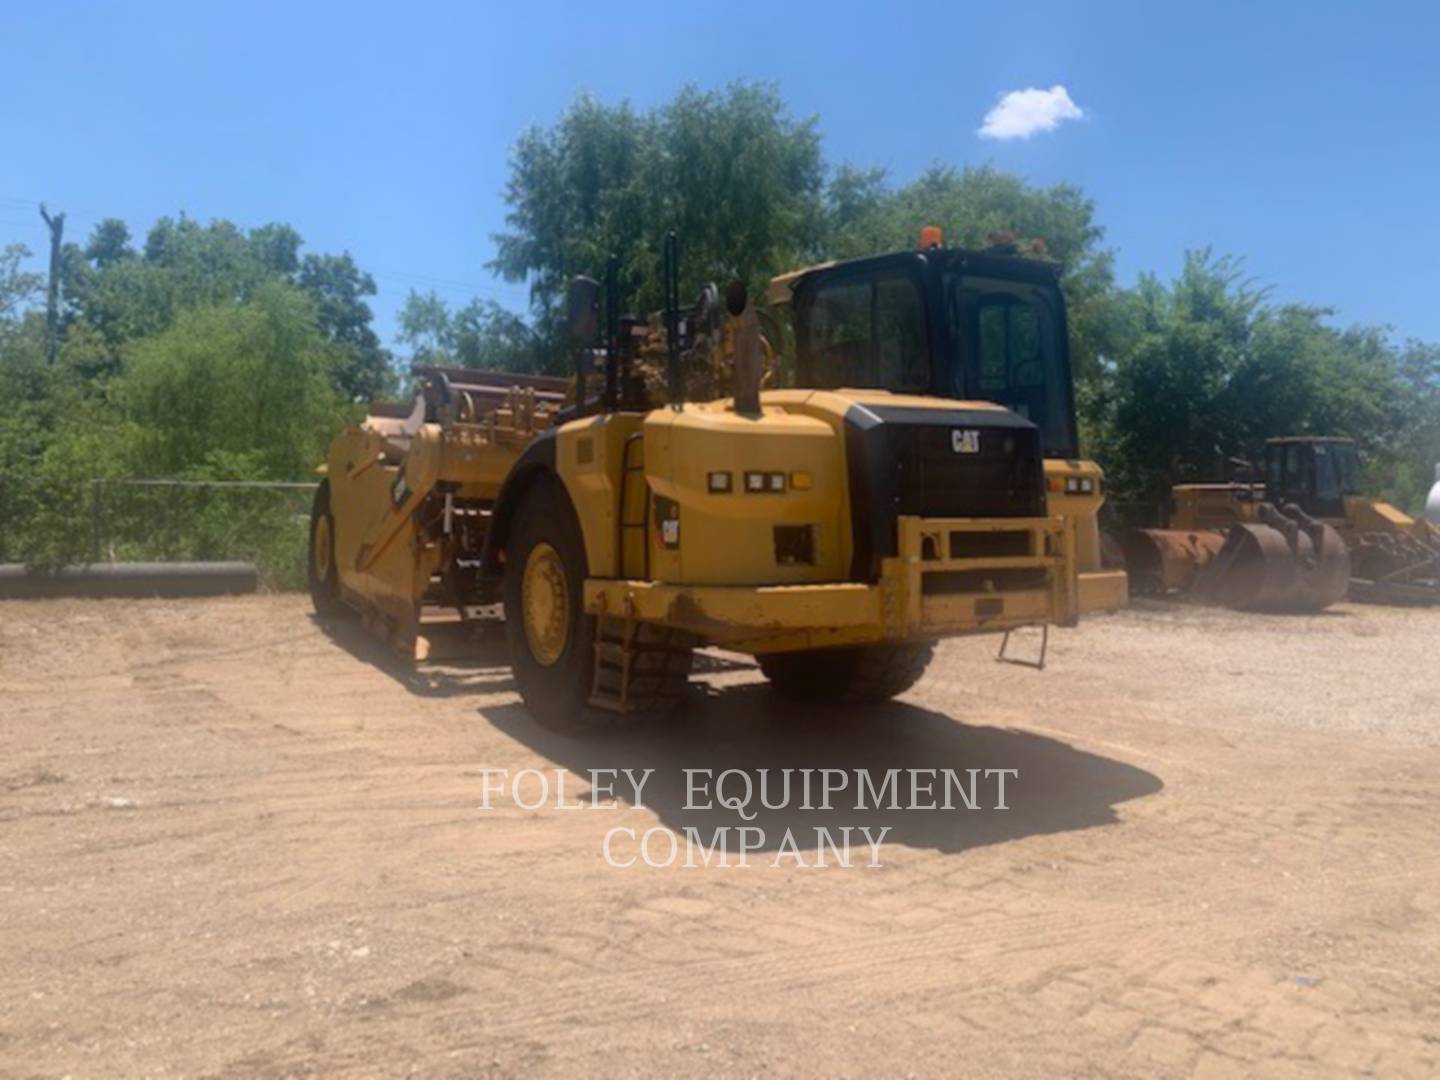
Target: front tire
<point>859,675</point>
<point>553,641</point>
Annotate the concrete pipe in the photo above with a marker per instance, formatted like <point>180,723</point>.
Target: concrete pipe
<point>139,579</point>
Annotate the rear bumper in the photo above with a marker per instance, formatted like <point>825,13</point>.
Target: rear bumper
<point>924,593</point>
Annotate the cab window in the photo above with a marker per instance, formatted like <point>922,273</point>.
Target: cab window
<point>869,333</point>
<point>1275,467</point>
<point>1294,468</point>
<point>1347,461</point>
<point>1010,353</point>
<point>1009,349</point>
<point>1327,475</point>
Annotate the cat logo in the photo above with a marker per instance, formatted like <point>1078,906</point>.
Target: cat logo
<point>965,441</point>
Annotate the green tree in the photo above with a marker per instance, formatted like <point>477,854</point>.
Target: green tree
<point>228,382</point>
<point>1417,451</point>
<point>54,437</point>
<point>732,172</point>
<point>482,334</point>
<point>426,326</point>
<point>109,244</point>
<point>339,290</point>
<point>127,296</point>
<point>493,338</point>
<point>1214,369</point>
<point>183,264</point>
<point>18,288</point>
<point>276,247</point>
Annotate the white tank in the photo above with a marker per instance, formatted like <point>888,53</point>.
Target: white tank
<point>1432,504</point>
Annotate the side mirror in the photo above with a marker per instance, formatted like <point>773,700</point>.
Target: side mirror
<point>584,310</point>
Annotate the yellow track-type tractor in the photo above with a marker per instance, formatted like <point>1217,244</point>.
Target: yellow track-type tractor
<point>1297,540</point>
<point>920,480</point>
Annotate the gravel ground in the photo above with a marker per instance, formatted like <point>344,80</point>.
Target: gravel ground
<point>232,844</point>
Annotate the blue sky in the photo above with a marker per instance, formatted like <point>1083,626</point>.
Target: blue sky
<point>1302,136</point>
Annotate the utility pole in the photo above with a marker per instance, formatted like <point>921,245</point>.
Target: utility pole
<point>56,225</point>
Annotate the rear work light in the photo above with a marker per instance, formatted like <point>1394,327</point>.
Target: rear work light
<point>765,483</point>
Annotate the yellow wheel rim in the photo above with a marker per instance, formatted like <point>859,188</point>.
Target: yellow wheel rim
<point>545,600</point>
<point>322,548</point>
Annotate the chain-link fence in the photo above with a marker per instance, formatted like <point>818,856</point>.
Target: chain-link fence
<point>124,520</point>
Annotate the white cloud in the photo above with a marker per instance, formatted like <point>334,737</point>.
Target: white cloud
<point>1021,113</point>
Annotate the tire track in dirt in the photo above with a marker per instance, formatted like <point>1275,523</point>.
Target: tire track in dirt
<point>662,989</point>
<point>303,795</point>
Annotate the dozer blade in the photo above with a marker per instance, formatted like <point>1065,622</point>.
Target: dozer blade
<point>1160,561</point>
<point>1254,571</point>
<point>1325,579</point>
<point>1290,565</point>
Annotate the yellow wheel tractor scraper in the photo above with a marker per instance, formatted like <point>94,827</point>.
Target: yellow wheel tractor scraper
<point>919,480</point>
<point>1300,540</point>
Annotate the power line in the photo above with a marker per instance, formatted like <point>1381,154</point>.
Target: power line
<point>433,279</point>
<point>519,295</point>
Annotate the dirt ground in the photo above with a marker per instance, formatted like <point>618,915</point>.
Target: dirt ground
<point>234,845</point>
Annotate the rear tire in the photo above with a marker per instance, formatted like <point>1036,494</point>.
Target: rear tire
<point>858,675</point>
<point>321,572</point>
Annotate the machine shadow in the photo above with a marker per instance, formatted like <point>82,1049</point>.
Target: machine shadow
<point>482,666</point>
<point>483,669</point>
<point>1169,605</point>
<point>749,728</point>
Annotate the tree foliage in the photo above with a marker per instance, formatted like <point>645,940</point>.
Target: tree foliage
<point>1213,368</point>
<point>18,288</point>
<point>207,352</point>
<point>227,383</point>
<point>732,172</point>
<point>338,288</point>
<point>1172,378</point>
<point>128,295</point>
<point>482,334</point>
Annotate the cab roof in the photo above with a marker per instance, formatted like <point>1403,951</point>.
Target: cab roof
<point>988,261</point>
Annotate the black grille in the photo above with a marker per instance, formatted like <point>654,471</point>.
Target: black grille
<point>937,463</point>
<point>1005,478</point>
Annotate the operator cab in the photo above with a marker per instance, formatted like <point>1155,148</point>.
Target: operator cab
<point>1313,472</point>
<point>948,323</point>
